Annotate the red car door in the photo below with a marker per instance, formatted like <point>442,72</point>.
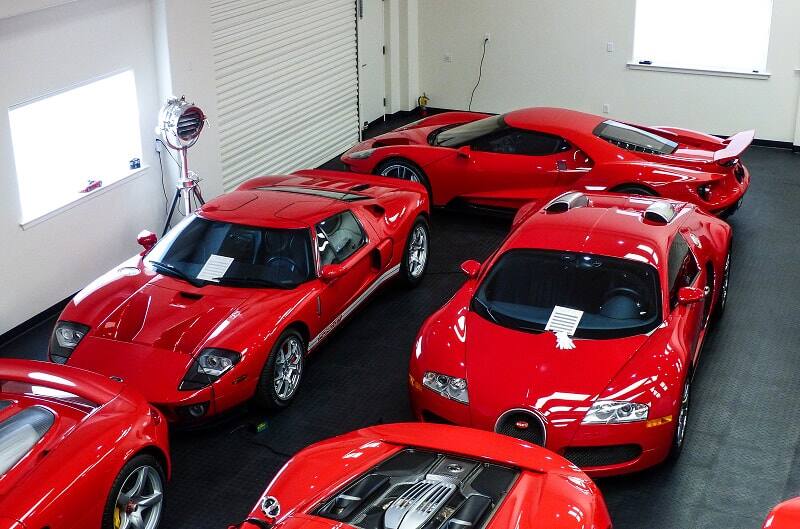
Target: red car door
<point>684,271</point>
<point>509,168</point>
<point>342,241</point>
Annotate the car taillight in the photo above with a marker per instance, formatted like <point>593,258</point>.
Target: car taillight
<point>738,172</point>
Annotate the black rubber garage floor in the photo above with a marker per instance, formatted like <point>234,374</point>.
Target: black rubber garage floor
<point>741,454</point>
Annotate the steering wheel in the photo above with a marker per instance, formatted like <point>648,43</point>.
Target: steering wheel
<point>281,260</point>
<point>624,291</point>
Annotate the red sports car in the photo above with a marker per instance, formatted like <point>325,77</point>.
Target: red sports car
<point>77,451</point>
<point>784,516</point>
<point>415,476</point>
<point>582,331</point>
<point>227,305</point>
<point>502,162</point>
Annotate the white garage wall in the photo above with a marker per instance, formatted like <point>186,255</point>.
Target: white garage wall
<point>47,51</point>
<point>548,53</point>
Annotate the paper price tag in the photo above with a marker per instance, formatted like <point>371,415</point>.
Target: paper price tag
<point>215,267</point>
<point>564,320</point>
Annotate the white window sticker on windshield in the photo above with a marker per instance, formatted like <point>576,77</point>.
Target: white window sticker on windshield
<point>563,319</point>
<point>215,267</point>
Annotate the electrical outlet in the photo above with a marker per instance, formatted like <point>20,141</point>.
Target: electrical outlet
<point>487,37</point>
<point>448,57</point>
<point>606,108</point>
<point>158,145</point>
<point>609,47</point>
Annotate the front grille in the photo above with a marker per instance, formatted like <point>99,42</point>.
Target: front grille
<point>522,425</point>
<point>601,456</point>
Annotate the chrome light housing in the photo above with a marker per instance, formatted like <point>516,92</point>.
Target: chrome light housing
<point>66,337</point>
<point>361,155</point>
<point>449,387</point>
<point>208,367</point>
<point>616,412</point>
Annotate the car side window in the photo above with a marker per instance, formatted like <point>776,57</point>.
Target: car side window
<point>682,268</point>
<point>339,237</point>
<point>521,142</point>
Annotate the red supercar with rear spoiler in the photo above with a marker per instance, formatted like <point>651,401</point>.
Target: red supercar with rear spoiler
<point>534,154</point>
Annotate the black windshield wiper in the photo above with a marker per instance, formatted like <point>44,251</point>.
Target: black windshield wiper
<point>254,281</point>
<point>486,308</point>
<point>175,271</point>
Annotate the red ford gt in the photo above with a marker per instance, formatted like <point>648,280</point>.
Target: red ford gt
<point>628,285</point>
<point>415,476</point>
<point>227,305</point>
<point>77,450</point>
<point>502,162</point>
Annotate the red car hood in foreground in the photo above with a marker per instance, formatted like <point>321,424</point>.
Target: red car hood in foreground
<point>547,493</point>
<point>534,373</point>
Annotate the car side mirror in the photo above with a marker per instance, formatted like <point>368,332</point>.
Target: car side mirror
<point>464,152</point>
<point>471,268</point>
<point>147,239</point>
<point>331,272</point>
<point>689,295</point>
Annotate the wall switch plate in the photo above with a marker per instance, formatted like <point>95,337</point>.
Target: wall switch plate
<point>606,108</point>
<point>609,47</point>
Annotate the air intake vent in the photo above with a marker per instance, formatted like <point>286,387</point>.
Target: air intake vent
<point>416,506</point>
<point>659,212</point>
<point>190,123</point>
<point>359,187</point>
<point>566,202</point>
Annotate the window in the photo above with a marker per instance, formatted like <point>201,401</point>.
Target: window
<point>261,257</point>
<point>338,238</point>
<point>456,136</point>
<point>20,433</point>
<point>618,297</point>
<point>63,141</point>
<point>633,138</point>
<point>522,142</point>
<point>681,268</point>
<point>719,35</point>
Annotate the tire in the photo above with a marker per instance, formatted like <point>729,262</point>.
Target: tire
<point>125,506</point>
<point>287,361</point>
<point>722,300</point>
<point>405,170</point>
<point>681,420</point>
<point>416,253</point>
<point>633,189</point>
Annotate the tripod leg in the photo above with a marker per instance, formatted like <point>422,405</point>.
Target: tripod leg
<point>196,191</point>
<point>175,200</point>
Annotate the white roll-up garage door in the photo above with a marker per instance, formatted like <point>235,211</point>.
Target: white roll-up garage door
<point>286,74</point>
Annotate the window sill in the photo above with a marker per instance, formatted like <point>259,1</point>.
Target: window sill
<point>128,177</point>
<point>698,71</point>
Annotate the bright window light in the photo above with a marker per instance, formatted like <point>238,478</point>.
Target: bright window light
<point>719,35</point>
<point>63,141</point>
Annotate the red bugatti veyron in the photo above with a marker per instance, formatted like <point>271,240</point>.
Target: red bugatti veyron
<point>416,476</point>
<point>502,162</point>
<point>226,306</point>
<point>77,450</point>
<point>627,285</point>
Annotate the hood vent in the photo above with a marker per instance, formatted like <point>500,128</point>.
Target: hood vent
<point>566,202</point>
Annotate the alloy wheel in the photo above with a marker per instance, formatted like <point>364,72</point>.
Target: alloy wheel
<point>139,501</point>
<point>401,171</point>
<point>417,251</point>
<point>288,368</point>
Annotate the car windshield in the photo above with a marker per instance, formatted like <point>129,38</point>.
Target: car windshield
<point>634,139</point>
<point>618,297</point>
<point>464,134</point>
<point>20,433</point>
<point>200,251</point>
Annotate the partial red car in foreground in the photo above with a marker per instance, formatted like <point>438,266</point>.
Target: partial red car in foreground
<point>534,154</point>
<point>227,305</point>
<point>629,286</point>
<point>77,451</point>
<point>785,515</point>
<point>415,476</point>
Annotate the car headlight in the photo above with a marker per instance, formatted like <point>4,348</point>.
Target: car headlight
<point>615,411</point>
<point>450,387</point>
<point>209,365</point>
<point>361,155</point>
<point>66,337</point>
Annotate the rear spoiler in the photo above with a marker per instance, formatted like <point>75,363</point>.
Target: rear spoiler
<point>734,147</point>
<point>84,384</point>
